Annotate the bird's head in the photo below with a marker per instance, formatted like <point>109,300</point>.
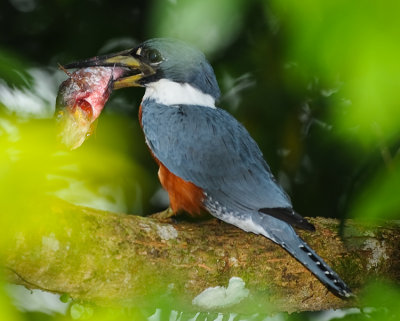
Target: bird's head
<point>160,63</point>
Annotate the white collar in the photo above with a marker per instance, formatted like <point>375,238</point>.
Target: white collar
<point>171,93</point>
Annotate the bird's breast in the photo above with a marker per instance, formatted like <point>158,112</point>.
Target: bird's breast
<point>183,195</point>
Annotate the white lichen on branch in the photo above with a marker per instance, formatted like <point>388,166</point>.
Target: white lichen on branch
<point>221,297</point>
<point>378,252</point>
<point>167,232</point>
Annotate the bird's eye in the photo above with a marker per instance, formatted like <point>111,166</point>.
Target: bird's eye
<point>154,56</point>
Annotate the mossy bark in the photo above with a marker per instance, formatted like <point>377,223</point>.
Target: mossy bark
<point>115,259</point>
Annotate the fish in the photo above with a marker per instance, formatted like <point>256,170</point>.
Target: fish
<point>80,101</point>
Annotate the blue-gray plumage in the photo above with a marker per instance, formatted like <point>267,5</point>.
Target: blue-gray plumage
<point>232,173</point>
<point>207,158</point>
<point>229,166</point>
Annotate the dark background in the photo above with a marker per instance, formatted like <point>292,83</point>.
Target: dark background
<point>315,83</point>
<point>290,121</point>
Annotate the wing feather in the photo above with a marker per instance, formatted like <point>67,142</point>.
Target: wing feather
<point>211,149</point>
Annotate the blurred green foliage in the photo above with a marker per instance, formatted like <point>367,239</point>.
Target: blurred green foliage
<point>351,47</point>
<point>315,82</point>
<point>377,200</point>
<point>353,43</point>
<point>13,69</point>
<point>7,311</point>
<point>208,24</point>
<point>103,174</point>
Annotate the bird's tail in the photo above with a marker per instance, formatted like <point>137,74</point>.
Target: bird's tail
<point>284,235</point>
<point>312,261</point>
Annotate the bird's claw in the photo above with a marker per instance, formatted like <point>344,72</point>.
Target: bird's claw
<point>164,216</point>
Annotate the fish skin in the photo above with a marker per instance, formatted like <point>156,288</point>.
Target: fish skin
<point>80,101</point>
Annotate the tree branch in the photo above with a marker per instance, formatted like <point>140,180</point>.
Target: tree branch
<point>109,259</point>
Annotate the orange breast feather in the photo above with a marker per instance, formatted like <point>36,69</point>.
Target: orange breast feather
<point>183,195</point>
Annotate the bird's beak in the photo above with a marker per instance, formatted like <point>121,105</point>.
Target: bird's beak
<point>135,68</point>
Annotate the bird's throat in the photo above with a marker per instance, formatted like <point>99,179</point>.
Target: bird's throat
<point>171,93</point>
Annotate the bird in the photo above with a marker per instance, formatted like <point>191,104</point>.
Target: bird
<point>207,159</point>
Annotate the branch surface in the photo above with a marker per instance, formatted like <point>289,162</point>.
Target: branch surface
<point>114,259</point>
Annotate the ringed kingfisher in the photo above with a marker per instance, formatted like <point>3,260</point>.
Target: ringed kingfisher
<point>207,160</point>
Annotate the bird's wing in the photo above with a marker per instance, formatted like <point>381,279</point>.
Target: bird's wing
<point>211,149</point>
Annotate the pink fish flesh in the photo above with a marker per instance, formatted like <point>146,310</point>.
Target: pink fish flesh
<point>80,100</point>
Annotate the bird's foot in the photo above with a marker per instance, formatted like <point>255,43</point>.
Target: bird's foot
<point>164,216</point>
